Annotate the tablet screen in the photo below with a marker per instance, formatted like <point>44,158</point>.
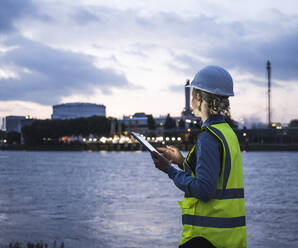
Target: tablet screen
<point>142,140</point>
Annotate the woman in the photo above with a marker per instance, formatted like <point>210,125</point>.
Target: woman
<point>213,209</point>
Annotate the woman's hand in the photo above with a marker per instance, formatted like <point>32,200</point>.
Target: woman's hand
<point>172,153</point>
<point>161,162</point>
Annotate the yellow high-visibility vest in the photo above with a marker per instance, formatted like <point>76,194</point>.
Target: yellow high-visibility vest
<point>221,220</point>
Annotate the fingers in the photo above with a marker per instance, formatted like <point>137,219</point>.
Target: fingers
<point>172,148</point>
<point>161,149</point>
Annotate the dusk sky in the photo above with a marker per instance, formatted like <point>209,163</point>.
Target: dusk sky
<point>135,56</point>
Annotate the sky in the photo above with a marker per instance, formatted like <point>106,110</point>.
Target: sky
<point>135,56</point>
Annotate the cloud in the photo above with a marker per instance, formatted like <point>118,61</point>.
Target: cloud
<point>177,88</point>
<point>13,10</point>
<point>45,74</point>
<point>251,56</point>
<point>83,17</point>
<point>187,64</point>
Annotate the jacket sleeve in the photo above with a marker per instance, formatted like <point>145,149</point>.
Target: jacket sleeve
<point>208,164</point>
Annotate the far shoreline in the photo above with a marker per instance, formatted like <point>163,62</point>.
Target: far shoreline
<point>137,147</point>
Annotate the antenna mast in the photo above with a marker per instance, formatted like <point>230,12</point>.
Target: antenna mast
<point>269,92</point>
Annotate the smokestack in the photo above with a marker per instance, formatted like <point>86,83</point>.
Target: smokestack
<point>269,92</point>
<point>187,97</point>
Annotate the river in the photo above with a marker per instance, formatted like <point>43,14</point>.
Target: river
<point>119,199</point>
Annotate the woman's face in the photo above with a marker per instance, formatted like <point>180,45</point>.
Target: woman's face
<point>195,103</point>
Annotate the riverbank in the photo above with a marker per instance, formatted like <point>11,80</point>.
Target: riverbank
<point>139,147</point>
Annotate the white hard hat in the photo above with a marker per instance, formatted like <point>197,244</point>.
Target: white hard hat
<point>215,80</point>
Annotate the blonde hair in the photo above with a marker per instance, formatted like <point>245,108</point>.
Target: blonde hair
<point>216,104</point>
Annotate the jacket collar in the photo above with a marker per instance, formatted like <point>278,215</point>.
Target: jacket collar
<point>214,119</point>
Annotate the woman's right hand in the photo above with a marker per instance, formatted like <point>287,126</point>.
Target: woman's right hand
<point>172,153</point>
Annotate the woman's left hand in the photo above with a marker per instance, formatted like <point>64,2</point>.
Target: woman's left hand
<point>161,162</point>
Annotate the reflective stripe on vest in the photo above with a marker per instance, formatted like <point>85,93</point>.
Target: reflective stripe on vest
<point>213,222</point>
<point>222,219</point>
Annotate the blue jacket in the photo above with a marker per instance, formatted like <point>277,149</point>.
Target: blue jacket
<point>208,166</point>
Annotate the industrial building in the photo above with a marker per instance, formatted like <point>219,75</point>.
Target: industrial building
<point>77,110</point>
<point>15,123</point>
<point>138,119</point>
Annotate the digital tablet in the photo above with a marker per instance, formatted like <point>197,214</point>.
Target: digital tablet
<point>144,142</point>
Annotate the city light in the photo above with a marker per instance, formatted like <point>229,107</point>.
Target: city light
<point>167,138</point>
<point>188,121</point>
<point>173,138</point>
<point>103,139</point>
<point>244,134</point>
<point>179,138</point>
<point>188,129</point>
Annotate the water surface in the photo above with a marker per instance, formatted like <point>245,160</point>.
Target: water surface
<point>119,199</point>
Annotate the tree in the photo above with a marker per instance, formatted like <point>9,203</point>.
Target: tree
<point>293,123</point>
<point>13,137</point>
<point>181,124</point>
<point>2,134</point>
<point>170,122</point>
<point>54,129</point>
<point>150,122</point>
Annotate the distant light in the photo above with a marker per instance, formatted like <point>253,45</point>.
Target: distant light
<point>161,124</point>
<point>167,138</point>
<point>153,138</point>
<point>244,151</point>
<point>123,139</point>
<point>244,134</point>
<point>94,140</point>
<point>173,138</point>
<point>84,139</point>
<point>195,122</point>
<point>188,121</point>
<point>179,138</point>
<point>163,142</point>
<point>148,138</point>
<point>273,124</point>
<point>5,141</point>
<point>188,129</point>
<point>103,139</point>
<point>90,139</point>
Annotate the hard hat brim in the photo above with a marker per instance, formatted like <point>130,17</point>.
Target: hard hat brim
<point>196,87</point>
